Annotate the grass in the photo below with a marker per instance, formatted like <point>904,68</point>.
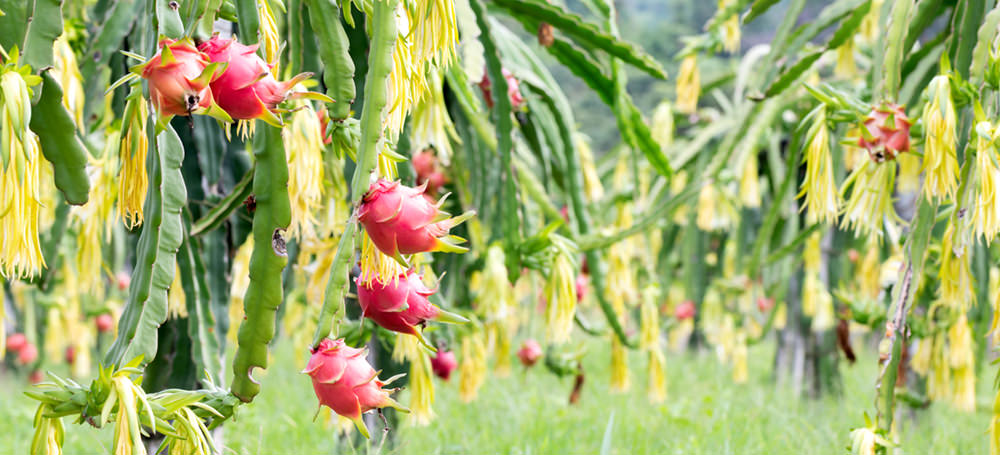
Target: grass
<point>526,414</point>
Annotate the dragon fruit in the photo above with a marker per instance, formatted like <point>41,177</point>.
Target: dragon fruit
<point>28,354</point>
<point>765,303</point>
<point>246,89</point>
<point>529,353</point>
<point>685,310</point>
<point>104,322</point>
<point>443,363</point>
<point>886,132</point>
<point>179,79</point>
<point>425,163</point>
<point>16,342</point>
<point>399,220</point>
<point>401,304</point>
<point>513,89</point>
<point>581,287</point>
<point>345,382</point>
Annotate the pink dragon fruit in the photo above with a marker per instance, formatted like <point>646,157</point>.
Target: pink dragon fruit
<point>425,163</point>
<point>345,382</point>
<point>443,363</point>
<point>685,310</point>
<point>401,305</point>
<point>104,322</point>
<point>529,353</point>
<point>28,354</point>
<point>513,89</point>
<point>399,220</point>
<point>179,79</point>
<point>581,287</point>
<point>886,132</point>
<point>16,342</point>
<point>765,303</point>
<point>246,89</point>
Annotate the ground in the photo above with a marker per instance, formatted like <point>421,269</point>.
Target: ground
<point>527,413</point>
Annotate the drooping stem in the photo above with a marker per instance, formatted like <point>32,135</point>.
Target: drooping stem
<point>902,293</point>
<point>264,293</point>
<point>375,102</point>
<point>338,72</point>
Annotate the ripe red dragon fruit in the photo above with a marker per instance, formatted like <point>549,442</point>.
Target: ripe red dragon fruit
<point>401,304</point>
<point>28,354</point>
<point>886,132</point>
<point>399,220</point>
<point>179,79</point>
<point>70,354</point>
<point>581,287</point>
<point>529,353</point>
<point>685,310</point>
<point>513,89</point>
<point>425,163</point>
<point>765,303</point>
<point>16,342</point>
<point>104,322</point>
<point>246,89</point>
<point>443,363</point>
<point>123,280</point>
<point>35,377</point>
<point>345,382</point>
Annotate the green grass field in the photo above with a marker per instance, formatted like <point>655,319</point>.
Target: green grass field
<point>526,413</point>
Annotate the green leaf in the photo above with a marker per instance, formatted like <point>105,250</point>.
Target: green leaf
<point>264,293</point>
<point>169,20</point>
<point>965,32</point>
<point>985,37</point>
<point>60,144</point>
<point>898,25</point>
<point>502,118</point>
<point>221,212</point>
<point>584,32</point>
<point>792,74</point>
<point>156,261</point>
<point>846,31</point>
<point>337,286</point>
<point>205,348</point>
<point>14,22</point>
<point>584,67</point>
<point>334,47</point>
<point>248,21</point>
<point>381,47</point>
<point>104,43</point>
<point>792,246</point>
<point>778,202</point>
<point>758,8</point>
<point>927,11</point>
<point>832,13</point>
<point>44,26</point>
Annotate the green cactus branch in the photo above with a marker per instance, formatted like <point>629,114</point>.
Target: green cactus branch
<point>372,114</point>
<point>338,68</point>
<point>219,213</point>
<point>271,217</point>
<point>586,33</point>
<point>162,231</point>
<point>60,144</point>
